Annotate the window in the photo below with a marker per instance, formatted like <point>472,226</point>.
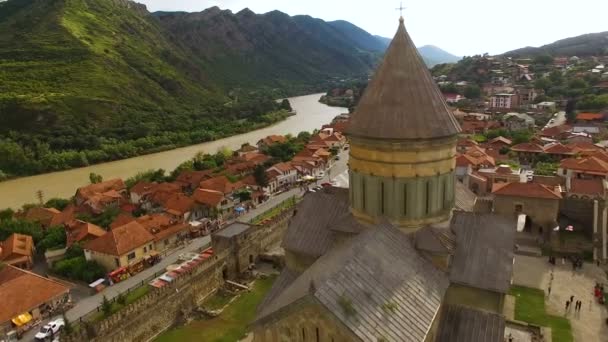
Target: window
<point>145,249</point>
<point>303,334</point>
<point>404,199</point>
<point>363,191</point>
<point>428,197</point>
<point>519,208</point>
<point>131,256</point>
<point>382,198</point>
<point>117,262</point>
<point>318,335</point>
<point>150,248</point>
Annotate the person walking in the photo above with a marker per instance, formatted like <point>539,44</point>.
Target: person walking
<point>549,291</point>
<point>580,304</point>
<point>571,299</point>
<point>567,305</point>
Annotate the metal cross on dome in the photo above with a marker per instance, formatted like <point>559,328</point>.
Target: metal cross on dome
<point>401,8</point>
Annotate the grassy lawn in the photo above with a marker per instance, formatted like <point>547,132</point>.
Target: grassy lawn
<point>218,301</point>
<point>129,298</point>
<point>229,326</point>
<point>288,203</point>
<point>530,308</point>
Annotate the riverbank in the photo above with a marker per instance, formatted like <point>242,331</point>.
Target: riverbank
<point>230,325</point>
<point>14,193</point>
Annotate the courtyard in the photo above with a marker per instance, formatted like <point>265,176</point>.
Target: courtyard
<point>535,272</point>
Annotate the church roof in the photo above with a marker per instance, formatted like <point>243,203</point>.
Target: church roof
<point>462,324</point>
<point>402,100</point>
<point>465,199</point>
<point>376,284</point>
<point>484,251</point>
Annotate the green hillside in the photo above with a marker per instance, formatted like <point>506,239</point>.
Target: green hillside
<point>591,44</point>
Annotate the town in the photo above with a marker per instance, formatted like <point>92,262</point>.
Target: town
<point>117,232</point>
<point>466,203</point>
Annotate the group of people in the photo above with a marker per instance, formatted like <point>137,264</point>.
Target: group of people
<point>598,292</point>
<point>577,262</point>
<point>577,305</point>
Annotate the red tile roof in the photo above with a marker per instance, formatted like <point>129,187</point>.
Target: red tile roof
<point>583,147</point>
<point>500,139</point>
<point>88,191</point>
<point>592,187</point>
<point>121,220</point>
<point>284,167</point>
<point>208,197</point>
<point>22,291</point>
<point>193,178</point>
<point>78,231</point>
<point>179,203</point>
<point>47,217</point>
<point>221,184</point>
<point>590,116</point>
<point>154,222</point>
<point>557,148</point>
<point>590,164</point>
<point>273,139</point>
<point>142,187</point>
<point>527,147</point>
<point>121,240</point>
<point>532,190</point>
<point>555,131</point>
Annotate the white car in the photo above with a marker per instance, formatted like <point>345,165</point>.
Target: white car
<point>50,329</point>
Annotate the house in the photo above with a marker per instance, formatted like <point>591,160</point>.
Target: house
<point>101,195</point>
<point>503,101</point>
<point>494,175</point>
<point>518,121</point>
<point>527,152</point>
<point>189,180</point>
<point>221,184</point>
<point>245,149</point>
<point>539,202</point>
<point>587,129</point>
<point>586,168</point>
<point>180,207</point>
<point>464,144</point>
<point>594,188</point>
<point>499,143</point>
<point>167,232</point>
<point>558,151</point>
<point>546,105</point>
<point>287,174</point>
<point>139,190</point>
<point>46,217</point>
<point>81,231</point>
<point>271,140</point>
<point>27,297</point>
<point>156,197</point>
<point>17,250</point>
<point>590,117</point>
<point>273,182</point>
<point>212,203</point>
<point>255,157</point>
<point>124,246</point>
<point>556,132</point>
<point>240,169</point>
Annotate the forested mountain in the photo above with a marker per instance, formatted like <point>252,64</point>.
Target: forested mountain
<point>585,45</point>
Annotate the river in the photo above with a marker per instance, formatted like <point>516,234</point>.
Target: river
<point>14,193</point>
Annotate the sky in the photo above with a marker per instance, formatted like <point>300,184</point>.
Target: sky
<point>461,27</point>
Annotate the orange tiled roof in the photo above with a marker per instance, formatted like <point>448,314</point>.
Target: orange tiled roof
<point>555,131</point>
<point>583,147</point>
<point>121,240</point>
<point>590,164</point>
<point>22,291</point>
<point>92,189</point>
<point>179,203</point>
<point>154,221</point>
<point>590,116</point>
<point>527,147</point>
<point>121,220</point>
<point>47,217</point>
<point>501,139</point>
<point>16,245</point>
<point>532,190</point>
<point>283,167</point>
<point>79,230</point>
<point>221,184</point>
<point>208,197</point>
<point>193,178</point>
<point>142,187</point>
<point>592,187</point>
<point>557,148</point>
<point>273,139</point>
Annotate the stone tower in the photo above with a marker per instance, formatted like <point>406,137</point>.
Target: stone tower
<point>403,143</point>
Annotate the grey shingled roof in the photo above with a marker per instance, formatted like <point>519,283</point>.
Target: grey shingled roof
<point>393,291</point>
<point>462,324</point>
<point>465,198</point>
<point>234,229</point>
<point>484,251</point>
<point>402,101</point>
<point>285,279</point>
<point>435,240</point>
<point>310,230</point>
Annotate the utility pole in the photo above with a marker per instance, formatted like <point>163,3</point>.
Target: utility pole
<point>40,196</point>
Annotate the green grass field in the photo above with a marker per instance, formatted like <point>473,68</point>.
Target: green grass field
<point>530,308</point>
<point>230,326</point>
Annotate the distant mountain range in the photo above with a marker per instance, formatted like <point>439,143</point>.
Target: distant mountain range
<point>431,54</point>
<point>584,45</point>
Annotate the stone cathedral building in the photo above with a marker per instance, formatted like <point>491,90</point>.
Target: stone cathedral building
<point>395,257</point>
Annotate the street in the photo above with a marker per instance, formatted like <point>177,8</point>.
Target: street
<point>338,172</point>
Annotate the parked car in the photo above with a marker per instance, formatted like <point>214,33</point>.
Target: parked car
<point>50,329</point>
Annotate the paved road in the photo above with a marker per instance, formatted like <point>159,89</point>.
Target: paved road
<point>558,118</point>
<point>338,173</point>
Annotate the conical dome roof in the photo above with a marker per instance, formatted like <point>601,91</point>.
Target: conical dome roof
<point>402,101</point>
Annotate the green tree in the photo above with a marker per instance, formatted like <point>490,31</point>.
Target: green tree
<point>74,251</point>
<point>10,226</point>
<point>54,238</point>
<point>6,214</point>
<point>543,83</point>
<point>543,59</point>
<point>285,105</point>
<point>260,176</point>
<point>577,83</point>
<point>106,306</point>
<point>57,203</point>
<point>570,114</point>
<point>472,92</point>
<point>67,328</point>
<point>556,77</point>
<point>95,178</point>
<point>304,137</point>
